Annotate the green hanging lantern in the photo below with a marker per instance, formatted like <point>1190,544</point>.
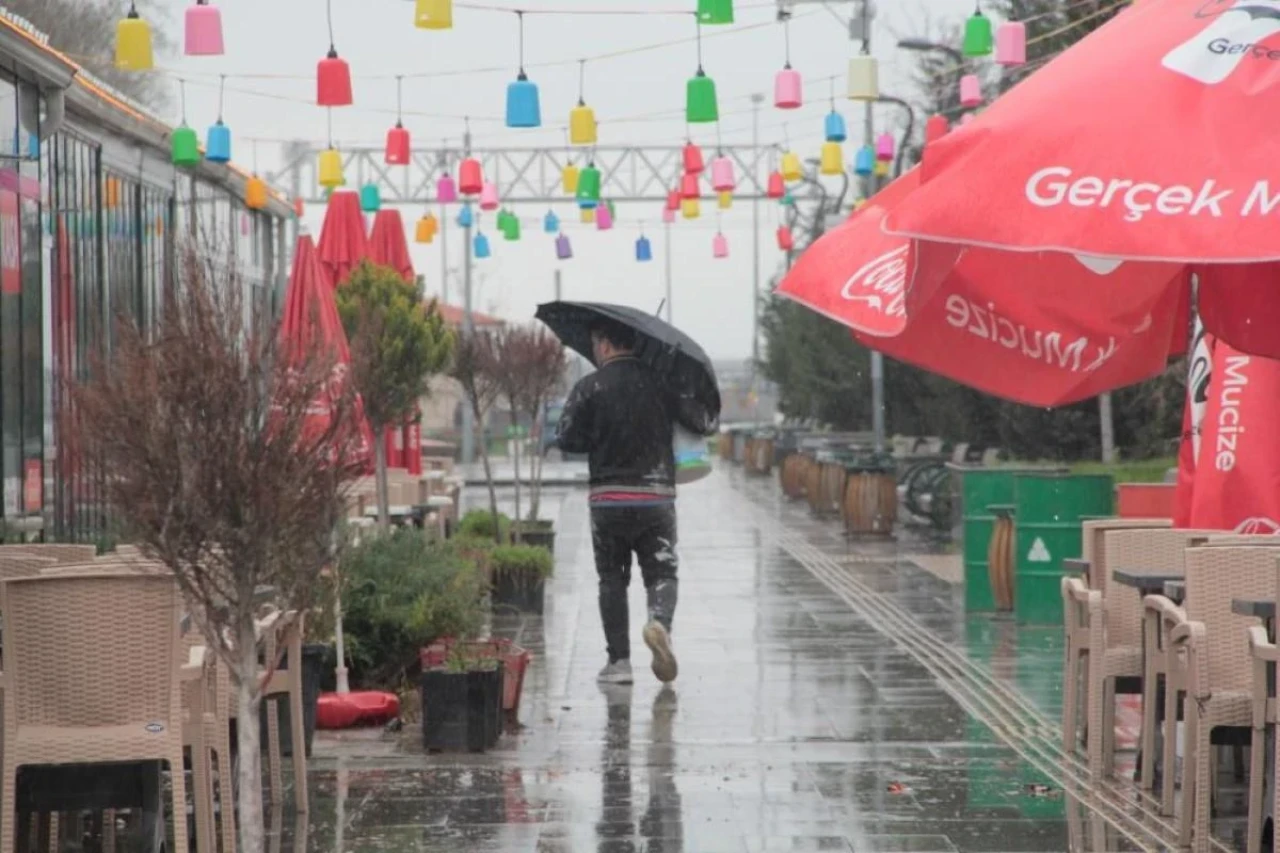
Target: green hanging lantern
<point>700,106</point>
<point>186,147</point>
<point>978,38</point>
<point>715,11</point>
<point>588,194</point>
<point>787,200</point>
<point>370,198</point>
<point>512,229</point>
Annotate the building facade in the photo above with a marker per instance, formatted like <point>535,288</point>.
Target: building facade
<point>94,219</point>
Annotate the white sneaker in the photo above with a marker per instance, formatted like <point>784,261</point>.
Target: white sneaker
<point>664,660</point>
<point>618,672</point>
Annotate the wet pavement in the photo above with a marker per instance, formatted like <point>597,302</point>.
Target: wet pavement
<point>829,699</point>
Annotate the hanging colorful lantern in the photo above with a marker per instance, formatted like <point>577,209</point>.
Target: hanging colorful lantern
<point>255,193</point>
<point>884,147</point>
<point>465,216</point>
<point>569,178</point>
<point>787,200</point>
<point>864,162</point>
<point>970,91</point>
<point>722,177</point>
<point>787,89</point>
<point>689,186</point>
<point>588,193</point>
<point>668,215</point>
<point>397,153</point>
<point>551,223</point>
<point>299,208</point>
<point>715,11</point>
<point>832,160</point>
<point>690,208</point>
<point>777,185</point>
<point>512,230</point>
<point>489,196</point>
<point>604,218</point>
<point>564,251</point>
<point>426,229</point>
<point>693,163</point>
<point>470,178</point>
<point>333,81</point>
<point>587,215</point>
<point>786,242</point>
<point>582,125</point>
<point>480,246</point>
<point>792,169</point>
<point>673,200</point>
<point>503,216</point>
<point>864,78</point>
<point>935,128</point>
<point>186,147</point>
<point>133,43</point>
<point>977,34</point>
<point>446,189</point>
<point>524,109</point>
<point>203,30</point>
<point>217,146</point>
<point>719,246</point>
<point>724,200</point>
<point>644,252</point>
<point>111,193</point>
<point>880,169</point>
<point>834,128</point>
<point>700,106</point>
<point>370,198</point>
<point>433,15</point>
<point>1011,43</point>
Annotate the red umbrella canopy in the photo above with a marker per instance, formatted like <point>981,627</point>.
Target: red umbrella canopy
<point>1044,329</point>
<point>342,238</point>
<point>310,320</point>
<point>387,244</point>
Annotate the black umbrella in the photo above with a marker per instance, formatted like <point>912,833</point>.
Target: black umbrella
<point>659,344</point>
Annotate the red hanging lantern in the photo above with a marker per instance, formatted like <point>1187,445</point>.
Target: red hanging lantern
<point>333,81</point>
<point>935,128</point>
<point>470,178</point>
<point>786,242</point>
<point>398,146</point>
<point>693,159</point>
<point>689,187</point>
<point>777,186</point>
<point>673,200</point>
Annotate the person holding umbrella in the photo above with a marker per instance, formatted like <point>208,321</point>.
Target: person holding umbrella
<point>650,380</point>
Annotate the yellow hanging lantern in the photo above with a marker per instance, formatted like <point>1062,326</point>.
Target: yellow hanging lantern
<point>569,178</point>
<point>587,215</point>
<point>689,208</point>
<point>791,169</point>
<point>433,15</point>
<point>881,169</point>
<point>725,199</point>
<point>582,125</point>
<point>426,230</point>
<point>832,159</point>
<point>133,43</point>
<point>255,193</point>
<point>331,169</point>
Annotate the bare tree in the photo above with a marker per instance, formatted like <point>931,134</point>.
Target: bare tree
<point>221,464</point>
<point>475,369</point>
<point>544,375</point>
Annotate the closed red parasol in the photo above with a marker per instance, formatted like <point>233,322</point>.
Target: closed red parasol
<point>342,238</point>
<point>387,244</point>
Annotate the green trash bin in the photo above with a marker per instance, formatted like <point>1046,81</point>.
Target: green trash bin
<point>1050,510</point>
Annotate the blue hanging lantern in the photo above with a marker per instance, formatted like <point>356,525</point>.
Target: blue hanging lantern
<point>865,161</point>
<point>523,108</point>
<point>644,252</point>
<point>481,246</point>
<point>465,217</point>
<point>834,127</point>
<point>217,145</point>
<point>551,223</point>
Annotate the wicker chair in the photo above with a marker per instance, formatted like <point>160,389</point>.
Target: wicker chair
<point>93,671</point>
<point>281,638</point>
<point>60,552</point>
<point>1265,657</point>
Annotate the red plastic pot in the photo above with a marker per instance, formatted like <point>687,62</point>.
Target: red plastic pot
<point>1145,500</point>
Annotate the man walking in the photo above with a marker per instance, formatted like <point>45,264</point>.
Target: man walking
<point>623,417</point>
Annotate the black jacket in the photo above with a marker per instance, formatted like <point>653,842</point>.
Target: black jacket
<point>622,416</point>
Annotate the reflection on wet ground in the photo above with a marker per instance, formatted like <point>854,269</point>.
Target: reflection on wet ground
<point>798,723</point>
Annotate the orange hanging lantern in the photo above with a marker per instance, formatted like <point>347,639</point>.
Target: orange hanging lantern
<point>255,193</point>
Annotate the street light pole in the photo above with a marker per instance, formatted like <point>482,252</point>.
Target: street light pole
<point>868,139</point>
<point>756,100</point>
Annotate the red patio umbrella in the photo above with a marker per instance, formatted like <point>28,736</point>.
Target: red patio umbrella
<point>310,319</point>
<point>342,237</point>
<point>387,244</point>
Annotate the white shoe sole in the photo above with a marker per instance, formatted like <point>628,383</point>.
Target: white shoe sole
<point>664,660</point>
<point>615,679</point>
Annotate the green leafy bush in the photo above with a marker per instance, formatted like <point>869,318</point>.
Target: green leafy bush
<point>402,592</point>
<point>528,560</point>
<point>479,522</point>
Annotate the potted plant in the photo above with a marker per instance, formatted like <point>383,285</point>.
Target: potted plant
<point>480,523</point>
<point>515,661</point>
<point>462,702</point>
<point>518,575</point>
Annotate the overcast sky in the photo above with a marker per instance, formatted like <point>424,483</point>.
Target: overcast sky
<point>278,43</point>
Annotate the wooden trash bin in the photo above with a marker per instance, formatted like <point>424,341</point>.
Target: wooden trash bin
<point>792,476</point>
<point>763,454</point>
<point>813,485</point>
<point>870,502</point>
<point>1000,557</point>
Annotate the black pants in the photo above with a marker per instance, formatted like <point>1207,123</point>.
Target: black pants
<point>650,533</point>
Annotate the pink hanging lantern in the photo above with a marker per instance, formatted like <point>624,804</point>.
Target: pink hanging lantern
<point>604,218</point>
<point>966,118</point>
<point>722,177</point>
<point>446,189</point>
<point>689,186</point>
<point>719,246</point>
<point>673,200</point>
<point>786,242</point>
<point>970,90</point>
<point>884,147</point>
<point>693,159</point>
<point>936,128</point>
<point>668,215</point>
<point>203,30</point>
<point>787,89</point>
<point>1011,43</point>
<point>489,196</point>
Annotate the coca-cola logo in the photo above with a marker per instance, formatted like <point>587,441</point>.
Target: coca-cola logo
<point>880,284</point>
<point>1258,527</point>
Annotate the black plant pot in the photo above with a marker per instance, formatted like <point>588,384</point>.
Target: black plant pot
<point>461,711</point>
<point>313,658</point>
<point>541,538</point>
<point>519,590</point>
